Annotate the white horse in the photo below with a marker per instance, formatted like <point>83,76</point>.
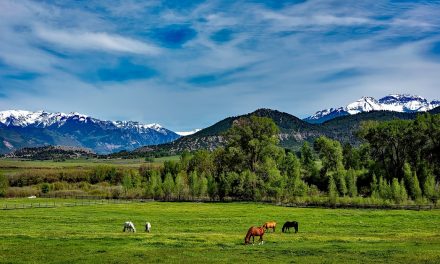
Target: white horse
<point>147,227</point>
<point>129,226</point>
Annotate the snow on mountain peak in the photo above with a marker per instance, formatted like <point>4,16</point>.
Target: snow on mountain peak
<point>22,118</point>
<point>365,104</point>
<point>154,126</point>
<point>393,102</point>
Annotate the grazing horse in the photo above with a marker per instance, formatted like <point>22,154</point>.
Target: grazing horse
<point>288,225</point>
<point>268,225</point>
<point>147,227</point>
<point>253,232</point>
<point>129,226</point>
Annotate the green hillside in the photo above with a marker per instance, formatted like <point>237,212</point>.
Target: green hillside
<point>293,131</point>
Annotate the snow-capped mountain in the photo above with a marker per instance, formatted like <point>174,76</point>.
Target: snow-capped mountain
<point>19,128</point>
<point>394,102</point>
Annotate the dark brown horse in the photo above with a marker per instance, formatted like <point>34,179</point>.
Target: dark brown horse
<point>253,232</point>
<point>288,225</point>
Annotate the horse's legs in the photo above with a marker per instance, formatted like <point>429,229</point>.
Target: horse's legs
<point>261,240</point>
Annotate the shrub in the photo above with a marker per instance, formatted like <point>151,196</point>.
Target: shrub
<point>21,192</point>
<point>4,184</point>
<point>45,188</point>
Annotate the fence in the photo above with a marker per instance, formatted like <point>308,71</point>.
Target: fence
<point>101,200</point>
<point>362,206</point>
<point>58,203</point>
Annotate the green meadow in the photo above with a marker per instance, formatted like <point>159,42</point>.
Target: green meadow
<point>214,232</point>
<point>20,164</point>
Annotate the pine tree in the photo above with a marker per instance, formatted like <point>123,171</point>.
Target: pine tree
<point>194,184</point>
<point>417,192</point>
<point>203,185</point>
<point>127,183</point>
<point>429,189</point>
<point>300,188</point>
<point>180,185</point>
<point>332,190</point>
<point>409,180</point>
<point>342,185</point>
<point>4,184</point>
<point>395,191</point>
<point>151,184</point>
<point>168,186</point>
<point>351,183</point>
<point>212,187</point>
<point>307,159</point>
<point>155,185</point>
<point>374,187</point>
<point>403,192</point>
<point>384,189</point>
<point>224,186</point>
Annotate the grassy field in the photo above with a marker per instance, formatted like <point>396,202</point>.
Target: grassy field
<point>16,165</point>
<point>203,232</point>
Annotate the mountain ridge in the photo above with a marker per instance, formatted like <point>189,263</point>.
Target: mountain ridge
<point>405,103</point>
<point>20,129</point>
<point>293,131</point>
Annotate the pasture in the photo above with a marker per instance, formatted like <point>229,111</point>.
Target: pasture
<point>214,232</point>
<point>9,164</point>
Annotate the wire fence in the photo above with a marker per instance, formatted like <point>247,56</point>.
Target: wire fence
<point>72,201</point>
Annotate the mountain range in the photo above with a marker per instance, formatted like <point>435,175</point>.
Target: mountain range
<point>23,129</point>
<point>293,131</point>
<point>19,129</point>
<point>403,103</point>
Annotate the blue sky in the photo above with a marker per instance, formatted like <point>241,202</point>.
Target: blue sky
<point>188,64</point>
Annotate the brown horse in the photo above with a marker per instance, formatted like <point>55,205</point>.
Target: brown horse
<point>268,225</point>
<point>253,232</point>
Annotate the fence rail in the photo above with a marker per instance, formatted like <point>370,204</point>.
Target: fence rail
<point>54,204</point>
<point>101,200</point>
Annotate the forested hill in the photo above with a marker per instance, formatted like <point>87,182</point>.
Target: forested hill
<point>293,131</point>
<point>344,128</point>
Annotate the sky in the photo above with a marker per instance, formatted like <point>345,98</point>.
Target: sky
<point>188,64</point>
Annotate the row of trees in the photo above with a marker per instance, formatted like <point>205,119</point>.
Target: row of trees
<point>398,161</point>
<point>252,166</point>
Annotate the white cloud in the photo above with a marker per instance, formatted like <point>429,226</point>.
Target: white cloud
<point>100,41</point>
<point>285,53</point>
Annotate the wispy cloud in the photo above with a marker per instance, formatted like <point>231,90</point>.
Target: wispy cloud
<point>98,41</point>
<point>188,64</point>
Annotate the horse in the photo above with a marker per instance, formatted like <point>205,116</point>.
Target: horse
<point>268,225</point>
<point>147,227</point>
<point>288,225</point>
<point>129,226</point>
<point>253,232</point>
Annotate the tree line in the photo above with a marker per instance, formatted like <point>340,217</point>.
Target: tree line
<point>398,162</point>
